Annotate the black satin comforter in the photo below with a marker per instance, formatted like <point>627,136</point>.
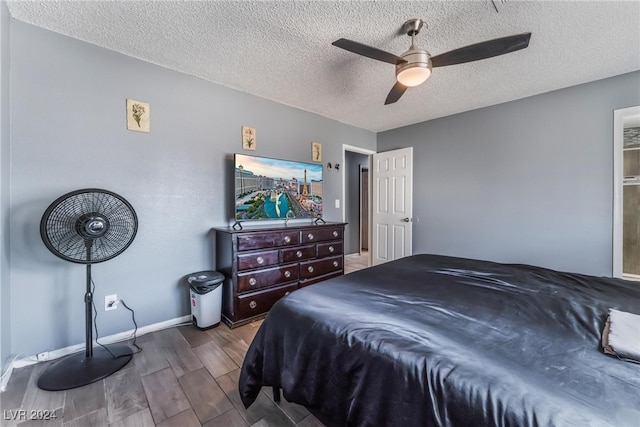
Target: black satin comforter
<point>439,341</point>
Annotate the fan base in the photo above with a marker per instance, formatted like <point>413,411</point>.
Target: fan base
<point>413,26</point>
<point>77,369</point>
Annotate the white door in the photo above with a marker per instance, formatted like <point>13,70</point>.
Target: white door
<point>392,205</point>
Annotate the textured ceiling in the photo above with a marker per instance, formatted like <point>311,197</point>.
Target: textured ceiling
<point>282,50</point>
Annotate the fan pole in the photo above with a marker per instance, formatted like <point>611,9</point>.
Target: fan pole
<point>78,370</point>
<point>88,312</point>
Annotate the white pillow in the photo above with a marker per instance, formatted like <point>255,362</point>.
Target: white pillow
<point>623,334</point>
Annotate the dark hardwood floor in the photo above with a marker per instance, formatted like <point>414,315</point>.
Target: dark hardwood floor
<point>183,377</point>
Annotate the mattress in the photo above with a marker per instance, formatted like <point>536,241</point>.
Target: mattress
<point>431,340</point>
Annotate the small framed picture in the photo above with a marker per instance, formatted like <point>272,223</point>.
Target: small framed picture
<point>138,116</point>
<point>248,138</point>
<point>316,151</point>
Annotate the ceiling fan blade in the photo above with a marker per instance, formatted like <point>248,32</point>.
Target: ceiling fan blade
<point>483,50</point>
<point>368,51</point>
<point>396,92</point>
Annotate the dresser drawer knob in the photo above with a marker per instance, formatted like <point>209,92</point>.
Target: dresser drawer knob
<point>287,293</point>
<point>331,249</point>
<point>335,263</point>
<point>335,233</point>
<point>253,281</point>
<point>253,304</point>
<point>260,260</point>
<point>287,239</point>
<point>287,274</point>
<point>299,254</point>
<point>310,236</point>
<point>310,269</point>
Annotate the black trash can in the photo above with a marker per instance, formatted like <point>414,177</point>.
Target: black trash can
<point>205,289</point>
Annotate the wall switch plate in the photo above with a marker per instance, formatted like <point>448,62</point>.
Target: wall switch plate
<point>337,203</point>
<point>110,302</point>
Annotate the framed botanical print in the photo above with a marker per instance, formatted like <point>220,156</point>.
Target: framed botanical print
<point>316,151</point>
<point>248,138</point>
<point>138,116</point>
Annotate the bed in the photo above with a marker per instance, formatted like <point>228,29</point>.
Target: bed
<point>431,340</point>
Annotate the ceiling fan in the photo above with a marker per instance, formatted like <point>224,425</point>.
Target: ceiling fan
<point>413,67</point>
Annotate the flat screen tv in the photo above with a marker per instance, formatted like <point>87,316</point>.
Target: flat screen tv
<point>267,188</point>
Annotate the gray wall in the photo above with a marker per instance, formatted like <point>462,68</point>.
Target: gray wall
<point>5,288</point>
<point>69,132</point>
<point>352,200</point>
<point>529,181</point>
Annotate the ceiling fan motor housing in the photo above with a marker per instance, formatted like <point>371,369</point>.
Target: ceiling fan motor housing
<point>416,70</point>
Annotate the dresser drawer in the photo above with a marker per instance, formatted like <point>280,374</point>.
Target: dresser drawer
<point>258,259</point>
<point>257,279</point>
<point>268,239</point>
<point>319,235</point>
<point>257,303</point>
<point>311,269</point>
<point>329,249</point>
<point>298,254</point>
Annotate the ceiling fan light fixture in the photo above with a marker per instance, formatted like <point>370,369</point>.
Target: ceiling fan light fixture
<point>414,75</point>
<point>417,68</point>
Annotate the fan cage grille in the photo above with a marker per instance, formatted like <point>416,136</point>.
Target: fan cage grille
<point>61,226</point>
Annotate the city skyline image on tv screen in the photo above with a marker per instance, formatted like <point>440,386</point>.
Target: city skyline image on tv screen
<point>267,188</point>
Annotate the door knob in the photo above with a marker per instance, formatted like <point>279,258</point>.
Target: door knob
<point>406,219</point>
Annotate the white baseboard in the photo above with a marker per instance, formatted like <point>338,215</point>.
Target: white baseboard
<point>121,336</point>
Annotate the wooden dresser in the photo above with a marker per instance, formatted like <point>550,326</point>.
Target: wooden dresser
<point>263,264</point>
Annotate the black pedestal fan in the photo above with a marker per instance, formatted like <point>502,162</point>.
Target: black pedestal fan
<point>86,227</point>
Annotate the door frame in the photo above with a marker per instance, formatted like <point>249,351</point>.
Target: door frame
<point>361,171</point>
<point>619,117</point>
<point>370,153</point>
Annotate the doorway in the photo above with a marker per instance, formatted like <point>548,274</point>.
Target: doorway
<point>356,190</point>
<point>364,209</point>
<point>626,193</point>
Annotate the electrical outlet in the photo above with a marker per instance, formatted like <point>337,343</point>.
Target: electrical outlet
<point>110,302</point>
